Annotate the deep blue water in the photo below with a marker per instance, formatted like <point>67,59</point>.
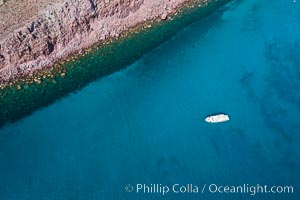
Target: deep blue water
<point>145,124</point>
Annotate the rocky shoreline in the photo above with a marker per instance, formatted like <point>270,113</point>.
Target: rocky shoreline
<point>72,26</point>
<point>25,93</point>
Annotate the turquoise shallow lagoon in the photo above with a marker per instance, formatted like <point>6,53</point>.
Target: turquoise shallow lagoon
<point>145,123</point>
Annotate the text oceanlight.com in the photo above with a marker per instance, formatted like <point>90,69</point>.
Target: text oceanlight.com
<point>208,188</point>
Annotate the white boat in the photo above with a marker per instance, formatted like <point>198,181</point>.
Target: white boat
<point>217,118</point>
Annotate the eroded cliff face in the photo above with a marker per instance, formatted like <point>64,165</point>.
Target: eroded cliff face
<point>71,26</point>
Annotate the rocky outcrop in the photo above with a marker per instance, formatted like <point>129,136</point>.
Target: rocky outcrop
<point>70,27</point>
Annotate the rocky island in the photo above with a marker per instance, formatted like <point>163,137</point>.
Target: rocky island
<point>49,48</point>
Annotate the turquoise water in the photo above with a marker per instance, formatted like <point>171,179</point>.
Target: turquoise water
<point>145,123</point>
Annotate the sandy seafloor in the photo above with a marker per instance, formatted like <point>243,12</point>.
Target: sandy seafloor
<point>145,123</point>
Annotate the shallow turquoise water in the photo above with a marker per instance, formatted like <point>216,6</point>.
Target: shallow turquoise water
<point>145,124</point>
